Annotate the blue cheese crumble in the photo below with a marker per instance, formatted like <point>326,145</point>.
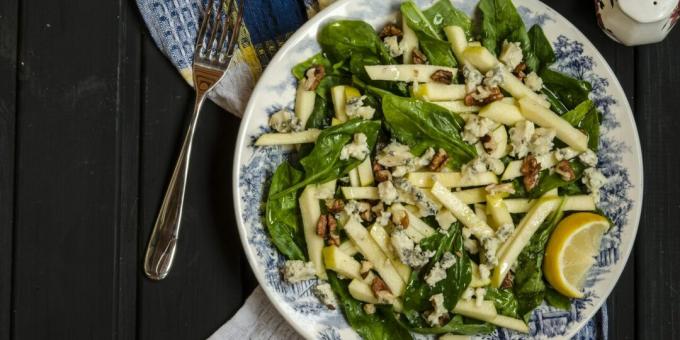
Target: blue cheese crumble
<point>477,127</point>
<point>355,108</point>
<point>325,294</point>
<point>284,121</point>
<point>296,271</point>
<point>588,158</point>
<point>594,180</point>
<point>533,82</point>
<point>494,77</point>
<point>542,141</point>
<point>439,313</point>
<point>511,54</point>
<point>473,78</point>
<point>357,149</point>
<point>392,44</point>
<point>520,138</point>
<point>387,192</point>
<point>409,253</point>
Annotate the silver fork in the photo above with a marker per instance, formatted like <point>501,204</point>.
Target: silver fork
<point>214,48</point>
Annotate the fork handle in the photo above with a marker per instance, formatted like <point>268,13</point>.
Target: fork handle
<point>160,252</point>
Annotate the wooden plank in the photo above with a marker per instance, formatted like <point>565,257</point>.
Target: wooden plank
<point>76,171</point>
<point>658,300</point>
<point>8,52</point>
<point>204,287</point>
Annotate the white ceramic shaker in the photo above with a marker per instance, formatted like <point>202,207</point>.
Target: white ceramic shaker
<point>637,22</point>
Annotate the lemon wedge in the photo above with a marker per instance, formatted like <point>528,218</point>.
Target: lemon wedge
<point>571,251</point>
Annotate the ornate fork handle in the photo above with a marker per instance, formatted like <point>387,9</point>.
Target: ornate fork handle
<point>163,243</point>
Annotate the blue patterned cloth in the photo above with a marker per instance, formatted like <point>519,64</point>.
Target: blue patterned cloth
<point>268,23</point>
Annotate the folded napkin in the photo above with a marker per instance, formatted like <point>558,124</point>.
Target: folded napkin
<point>268,23</point>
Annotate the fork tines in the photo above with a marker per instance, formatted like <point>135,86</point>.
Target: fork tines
<point>218,31</point>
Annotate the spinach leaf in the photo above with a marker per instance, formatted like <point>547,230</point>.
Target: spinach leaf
<point>282,218</point>
<point>540,48</point>
<point>504,300</point>
<point>421,125</point>
<point>317,59</point>
<point>555,102</point>
<point>548,181</point>
<point>379,326</point>
<point>328,82</point>
<point>575,116</point>
<point>457,325</point>
<point>431,41</point>
<point>500,22</point>
<point>323,163</point>
<point>591,125</point>
<point>343,38</point>
<point>528,285</point>
<point>443,14</point>
<point>557,300</point>
<point>320,116</point>
<point>458,277</point>
<point>417,21</point>
<point>571,189</point>
<point>568,90</point>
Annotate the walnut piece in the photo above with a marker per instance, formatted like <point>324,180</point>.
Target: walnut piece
<point>322,226</point>
<point>383,175</point>
<point>442,76</point>
<point>519,70</point>
<point>378,285</point>
<point>530,170</point>
<point>508,280</point>
<point>313,77</point>
<point>333,236</point>
<point>488,143</point>
<point>335,205</point>
<point>390,30</point>
<point>564,169</point>
<point>438,160</point>
<point>419,57</point>
<point>495,94</point>
<point>400,218</point>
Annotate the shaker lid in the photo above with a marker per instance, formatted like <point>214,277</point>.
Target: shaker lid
<point>648,10</point>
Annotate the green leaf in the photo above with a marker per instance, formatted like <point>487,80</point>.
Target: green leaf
<point>379,326</point>
<point>282,218</point>
<point>421,124</point>
<point>443,14</point>
<point>528,285</point>
<point>548,181</point>
<point>320,116</point>
<point>540,48</point>
<point>557,300</point>
<point>575,116</point>
<point>500,22</point>
<point>317,59</point>
<point>343,38</point>
<point>431,41</point>
<point>591,125</point>
<point>418,292</point>
<point>504,300</point>
<point>457,325</point>
<point>555,102</point>
<point>568,90</point>
<point>323,163</point>
<point>328,82</point>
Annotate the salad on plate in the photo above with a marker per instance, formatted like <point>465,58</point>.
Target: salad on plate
<point>443,178</point>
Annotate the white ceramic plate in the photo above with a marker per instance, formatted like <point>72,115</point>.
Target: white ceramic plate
<point>620,160</point>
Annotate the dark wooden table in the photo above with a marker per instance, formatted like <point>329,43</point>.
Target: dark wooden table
<point>91,116</point>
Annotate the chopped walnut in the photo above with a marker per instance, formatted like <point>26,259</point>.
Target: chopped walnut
<point>366,215</point>
<point>488,143</point>
<point>564,169</point>
<point>313,77</point>
<point>400,218</point>
<point>390,30</point>
<point>419,57</point>
<point>438,160</point>
<point>378,285</point>
<point>442,76</point>
<point>335,205</point>
<point>519,70</point>
<point>333,236</point>
<point>383,175</point>
<point>322,226</point>
<point>507,281</point>
<point>530,170</point>
<point>495,94</point>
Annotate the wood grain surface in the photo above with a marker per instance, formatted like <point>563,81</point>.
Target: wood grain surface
<point>91,119</point>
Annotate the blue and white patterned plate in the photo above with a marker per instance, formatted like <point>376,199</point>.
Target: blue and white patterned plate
<point>620,159</point>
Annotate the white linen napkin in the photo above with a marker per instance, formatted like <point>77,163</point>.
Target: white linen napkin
<point>257,319</point>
